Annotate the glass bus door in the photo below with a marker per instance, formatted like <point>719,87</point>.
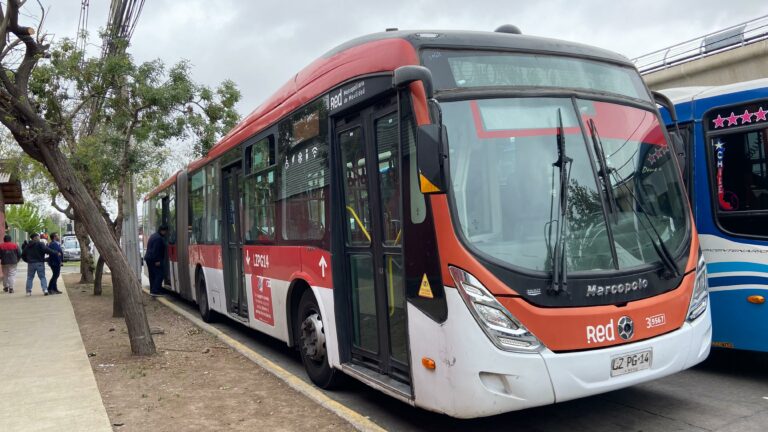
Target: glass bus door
<point>232,186</point>
<point>370,171</point>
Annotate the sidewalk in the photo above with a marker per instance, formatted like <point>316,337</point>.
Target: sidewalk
<point>46,381</point>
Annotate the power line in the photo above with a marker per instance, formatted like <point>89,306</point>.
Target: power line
<point>82,25</point>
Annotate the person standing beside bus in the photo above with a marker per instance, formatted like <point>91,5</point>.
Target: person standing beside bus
<point>9,257</point>
<point>155,257</point>
<point>34,256</point>
<point>54,262</point>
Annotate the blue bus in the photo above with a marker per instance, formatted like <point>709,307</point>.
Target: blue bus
<point>724,132</point>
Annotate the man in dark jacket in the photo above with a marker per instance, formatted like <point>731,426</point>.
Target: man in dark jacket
<point>155,258</point>
<point>54,262</point>
<point>9,257</point>
<point>34,256</point>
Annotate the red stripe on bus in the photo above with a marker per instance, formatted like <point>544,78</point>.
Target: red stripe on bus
<point>286,263</point>
<point>289,263</point>
<point>173,253</point>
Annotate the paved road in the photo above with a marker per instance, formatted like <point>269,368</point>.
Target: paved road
<point>728,392</point>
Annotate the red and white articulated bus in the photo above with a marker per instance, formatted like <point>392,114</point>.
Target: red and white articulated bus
<point>471,222</point>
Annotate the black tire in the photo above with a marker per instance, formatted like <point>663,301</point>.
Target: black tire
<point>315,360</point>
<point>206,313</point>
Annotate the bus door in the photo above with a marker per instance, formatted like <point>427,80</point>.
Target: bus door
<point>170,250</point>
<point>232,249</point>
<point>368,145</point>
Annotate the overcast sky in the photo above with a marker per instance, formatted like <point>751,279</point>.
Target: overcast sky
<point>260,44</point>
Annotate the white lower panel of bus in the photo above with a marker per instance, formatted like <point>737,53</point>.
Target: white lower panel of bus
<point>473,378</point>
<point>273,320</point>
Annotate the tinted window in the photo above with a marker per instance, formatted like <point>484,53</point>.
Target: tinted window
<point>261,154</point>
<point>304,173</point>
<point>212,205</point>
<point>464,69</point>
<point>355,174</point>
<point>739,170</point>
<point>197,206</point>
<point>171,215</point>
<point>259,212</point>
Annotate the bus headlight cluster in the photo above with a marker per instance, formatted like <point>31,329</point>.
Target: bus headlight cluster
<point>700,296</point>
<point>502,328</point>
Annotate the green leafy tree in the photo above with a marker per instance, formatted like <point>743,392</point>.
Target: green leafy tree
<point>26,217</point>
<point>135,111</point>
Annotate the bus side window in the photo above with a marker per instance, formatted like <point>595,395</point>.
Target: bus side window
<point>197,206</point>
<point>303,173</point>
<point>259,185</point>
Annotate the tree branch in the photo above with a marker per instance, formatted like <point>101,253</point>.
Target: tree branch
<point>65,211</point>
<point>9,48</point>
<point>33,51</point>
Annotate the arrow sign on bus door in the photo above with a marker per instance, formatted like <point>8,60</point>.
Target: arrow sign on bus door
<point>323,265</point>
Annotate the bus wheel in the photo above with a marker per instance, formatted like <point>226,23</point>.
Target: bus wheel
<point>311,342</point>
<point>202,301</point>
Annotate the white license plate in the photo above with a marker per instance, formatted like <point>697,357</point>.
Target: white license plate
<point>632,362</point>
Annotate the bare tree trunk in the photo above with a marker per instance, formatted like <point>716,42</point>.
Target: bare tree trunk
<point>86,259</point>
<point>97,285</point>
<point>126,285</point>
<point>117,307</point>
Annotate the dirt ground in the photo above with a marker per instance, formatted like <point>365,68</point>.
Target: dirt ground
<point>194,383</point>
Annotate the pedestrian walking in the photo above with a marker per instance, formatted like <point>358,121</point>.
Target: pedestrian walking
<point>54,262</point>
<point>34,256</point>
<point>9,257</point>
<point>155,258</point>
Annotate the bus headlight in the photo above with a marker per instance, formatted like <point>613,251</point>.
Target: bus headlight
<point>502,328</point>
<point>700,296</point>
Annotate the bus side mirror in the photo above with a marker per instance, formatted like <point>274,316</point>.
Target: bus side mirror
<point>405,75</point>
<point>666,103</point>
<point>430,156</point>
<point>677,144</point>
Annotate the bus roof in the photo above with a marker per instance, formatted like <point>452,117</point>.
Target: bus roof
<point>680,95</point>
<point>392,49</point>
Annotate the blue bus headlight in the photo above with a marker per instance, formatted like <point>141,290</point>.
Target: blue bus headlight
<point>700,296</point>
<point>501,327</point>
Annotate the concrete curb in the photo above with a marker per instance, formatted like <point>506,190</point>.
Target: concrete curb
<point>357,420</point>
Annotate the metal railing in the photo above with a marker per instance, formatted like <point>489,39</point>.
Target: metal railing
<point>722,40</point>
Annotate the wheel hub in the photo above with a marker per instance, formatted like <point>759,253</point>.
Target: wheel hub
<point>313,337</point>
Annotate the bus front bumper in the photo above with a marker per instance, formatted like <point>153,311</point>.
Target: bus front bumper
<point>473,378</point>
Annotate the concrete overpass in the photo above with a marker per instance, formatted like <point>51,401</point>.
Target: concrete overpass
<point>737,53</point>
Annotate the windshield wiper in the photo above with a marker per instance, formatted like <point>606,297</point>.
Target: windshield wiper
<point>603,172</point>
<point>559,262</point>
<point>658,244</point>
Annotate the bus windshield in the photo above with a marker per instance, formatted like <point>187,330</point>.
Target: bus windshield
<point>505,181</point>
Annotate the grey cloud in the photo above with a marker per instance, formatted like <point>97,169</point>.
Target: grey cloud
<point>262,44</point>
